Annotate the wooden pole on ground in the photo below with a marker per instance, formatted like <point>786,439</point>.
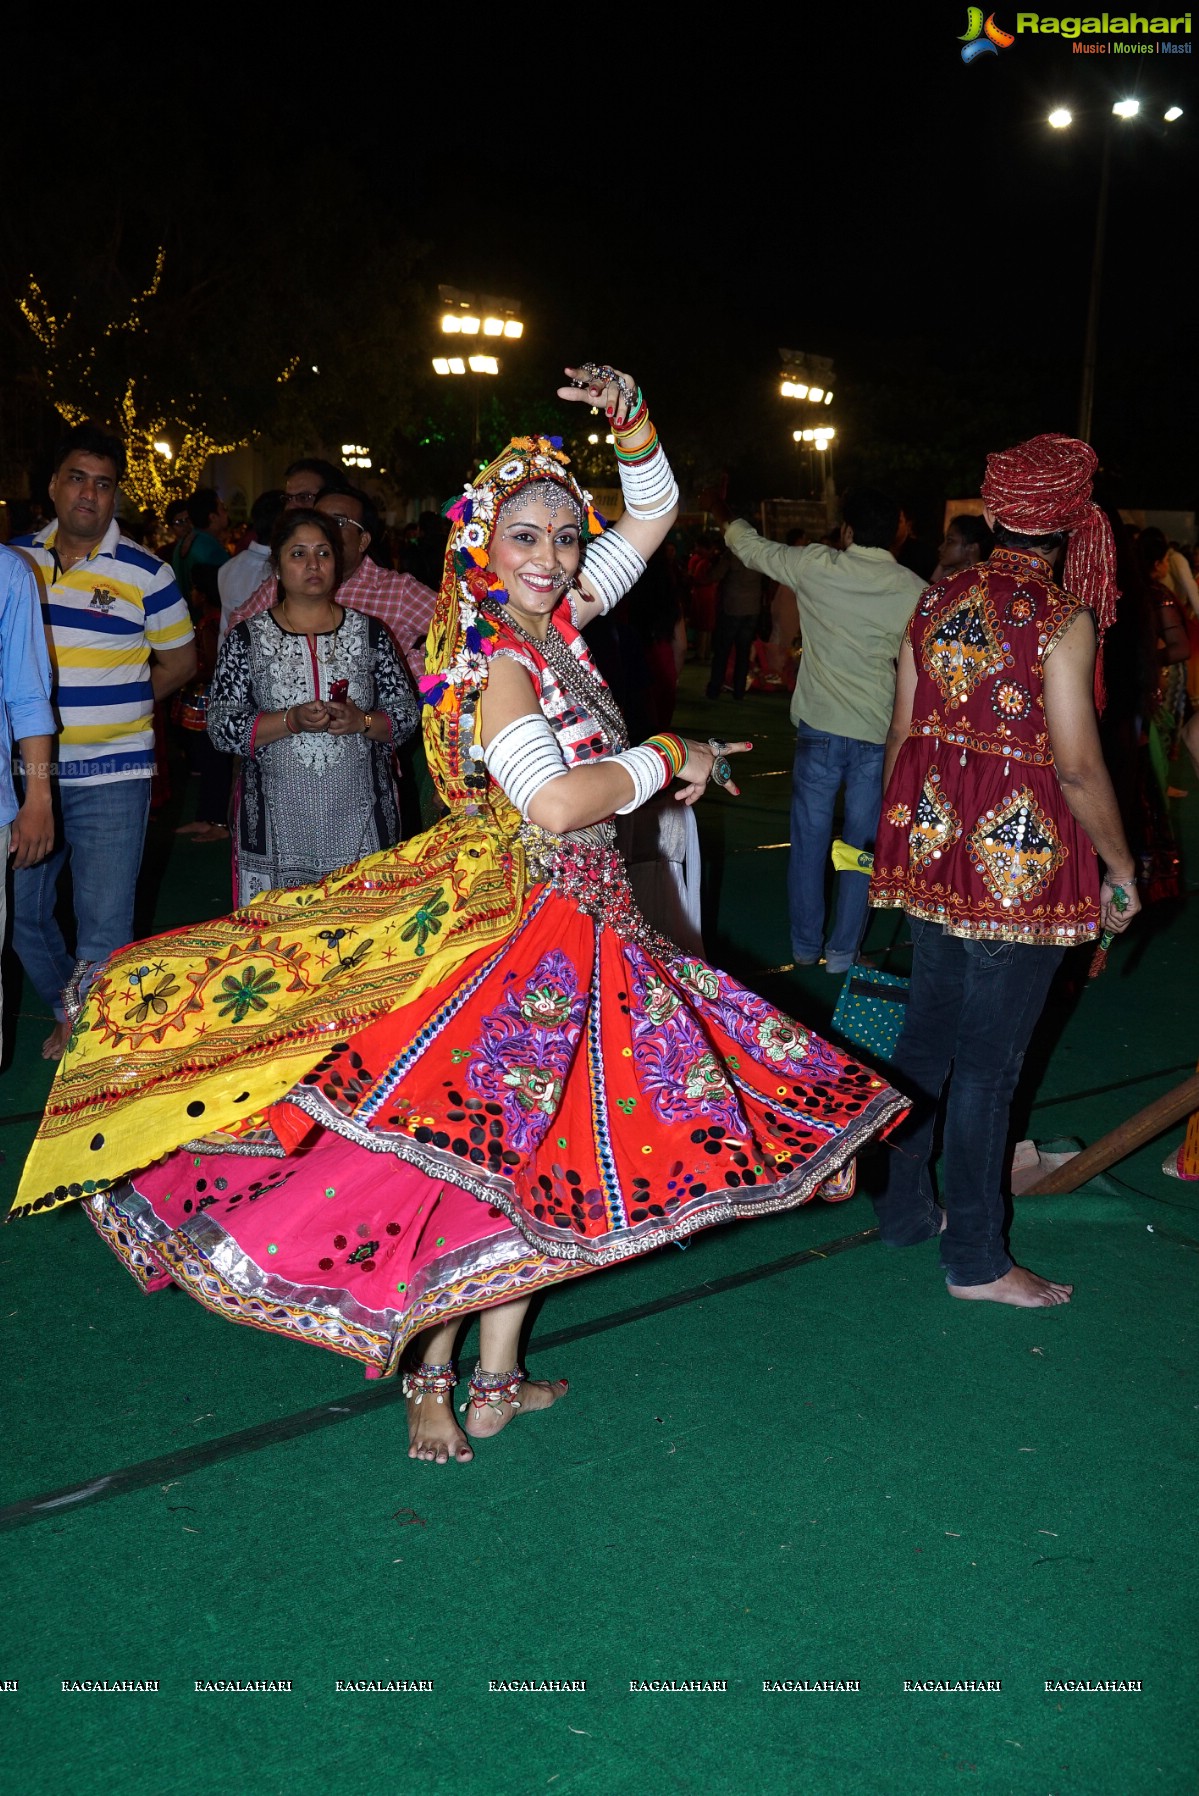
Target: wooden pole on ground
<point>1121,1141</point>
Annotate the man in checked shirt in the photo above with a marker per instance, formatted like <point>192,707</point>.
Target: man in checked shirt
<point>397,600</point>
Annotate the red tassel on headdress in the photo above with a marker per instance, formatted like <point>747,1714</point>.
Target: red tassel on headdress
<point>1043,486</point>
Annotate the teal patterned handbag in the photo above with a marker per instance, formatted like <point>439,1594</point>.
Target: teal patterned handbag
<point>871,1007</point>
<point>870,1011</point>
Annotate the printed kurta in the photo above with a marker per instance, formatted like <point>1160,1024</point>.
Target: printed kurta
<point>312,802</point>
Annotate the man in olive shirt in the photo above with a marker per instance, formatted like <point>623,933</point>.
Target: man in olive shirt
<point>854,606</point>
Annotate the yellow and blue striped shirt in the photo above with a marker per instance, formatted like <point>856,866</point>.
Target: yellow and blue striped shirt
<point>103,616</point>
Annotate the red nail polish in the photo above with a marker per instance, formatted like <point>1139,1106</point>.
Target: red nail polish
<point>609,411</point>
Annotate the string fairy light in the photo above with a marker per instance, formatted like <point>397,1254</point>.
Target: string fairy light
<point>167,444</point>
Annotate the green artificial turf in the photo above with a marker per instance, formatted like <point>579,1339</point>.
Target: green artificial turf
<point>828,1472</point>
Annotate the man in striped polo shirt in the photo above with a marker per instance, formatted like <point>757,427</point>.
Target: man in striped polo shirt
<point>120,637</point>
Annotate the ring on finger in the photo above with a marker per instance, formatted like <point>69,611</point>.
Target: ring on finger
<point>718,748</point>
<point>722,771</point>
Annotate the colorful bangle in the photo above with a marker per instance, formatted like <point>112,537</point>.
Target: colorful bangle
<point>635,419</point>
<point>672,749</point>
<point>292,730</point>
<point>643,450</point>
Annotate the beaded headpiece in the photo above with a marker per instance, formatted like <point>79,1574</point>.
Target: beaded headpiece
<point>462,635</point>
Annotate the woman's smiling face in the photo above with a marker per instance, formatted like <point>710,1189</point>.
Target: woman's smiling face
<point>535,552</point>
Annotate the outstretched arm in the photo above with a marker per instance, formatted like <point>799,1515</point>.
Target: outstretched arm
<point>777,561</point>
<point>524,758</point>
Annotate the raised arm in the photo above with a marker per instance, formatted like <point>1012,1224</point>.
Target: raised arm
<point>777,560</point>
<point>615,561</point>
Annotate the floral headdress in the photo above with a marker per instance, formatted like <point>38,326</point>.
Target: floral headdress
<point>461,635</point>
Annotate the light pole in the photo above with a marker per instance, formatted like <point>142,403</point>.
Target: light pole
<point>473,316</point>
<point>818,440</point>
<point>806,377</point>
<point>1061,119</point>
<point>809,379</point>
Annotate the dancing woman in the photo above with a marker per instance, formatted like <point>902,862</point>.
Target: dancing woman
<point>465,1068</point>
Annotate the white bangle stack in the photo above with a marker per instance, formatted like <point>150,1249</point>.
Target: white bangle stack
<point>648,773</point>
<point>611,567</point>
<point>523,757</point>
<point>649,487</point>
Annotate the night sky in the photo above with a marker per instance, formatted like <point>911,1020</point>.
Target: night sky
<point>846,187</point>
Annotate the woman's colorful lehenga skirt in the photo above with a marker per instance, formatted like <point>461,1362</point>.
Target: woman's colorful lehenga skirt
<point>571,1093</point>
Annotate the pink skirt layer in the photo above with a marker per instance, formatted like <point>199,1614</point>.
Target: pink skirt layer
<point>353,1250</point>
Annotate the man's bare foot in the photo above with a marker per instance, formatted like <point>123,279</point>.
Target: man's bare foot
<point>1020,1287</point>
<point>190,829</point>
<point>434,1435</point>
<point>55,1044</point>
<point>534,1393</point>
<point>210,832</point>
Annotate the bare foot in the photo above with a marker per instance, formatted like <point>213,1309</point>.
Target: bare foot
<point>434,1435</point>
<point>1020,1287</point>
<point>210,832</point>
<point>190,829</point>
<point>55,1044</point>
<point>534,1393</point>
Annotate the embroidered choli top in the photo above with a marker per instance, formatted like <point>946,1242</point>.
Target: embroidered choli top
<point>974,832</point>
<point>573,695</point>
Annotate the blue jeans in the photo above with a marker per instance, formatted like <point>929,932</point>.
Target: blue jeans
<point>973,1007</point>
<point>823,764</point>
<point>103,829</point>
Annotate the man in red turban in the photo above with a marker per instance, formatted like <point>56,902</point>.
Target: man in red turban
<point>997,811</point>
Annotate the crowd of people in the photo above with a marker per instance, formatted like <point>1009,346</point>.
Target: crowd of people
<point>495,994</point>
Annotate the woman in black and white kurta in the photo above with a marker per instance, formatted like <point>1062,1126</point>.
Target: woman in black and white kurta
<point>313,697</point>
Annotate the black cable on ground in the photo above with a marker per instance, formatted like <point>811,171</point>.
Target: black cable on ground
<point>169,1466</point>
